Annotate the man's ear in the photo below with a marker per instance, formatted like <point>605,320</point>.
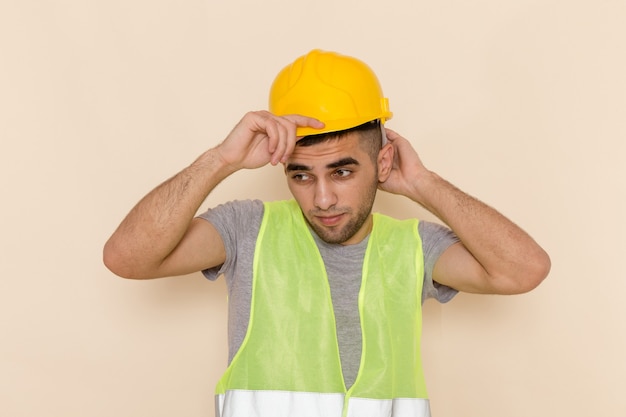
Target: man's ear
<point>385,162</point>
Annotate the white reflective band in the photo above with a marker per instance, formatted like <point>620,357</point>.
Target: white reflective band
<point>242,403</point>
<point>398,407</point>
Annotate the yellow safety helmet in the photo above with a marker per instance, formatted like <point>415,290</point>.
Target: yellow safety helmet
<point>339,90</point>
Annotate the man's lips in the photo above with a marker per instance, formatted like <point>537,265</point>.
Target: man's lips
<point>330,220</point>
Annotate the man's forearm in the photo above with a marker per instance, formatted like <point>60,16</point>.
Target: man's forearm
<point>503,249</point>
<point>155,226</point>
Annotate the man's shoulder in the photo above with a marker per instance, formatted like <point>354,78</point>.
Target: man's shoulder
<point>235,215</point>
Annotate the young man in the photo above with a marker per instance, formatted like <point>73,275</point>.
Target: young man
<point>324,296</point>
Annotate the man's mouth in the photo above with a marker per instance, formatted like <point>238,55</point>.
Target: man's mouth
<point>330,220</point>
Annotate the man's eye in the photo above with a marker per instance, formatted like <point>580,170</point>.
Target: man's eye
<point>342,173</point>
<point>301,177</point>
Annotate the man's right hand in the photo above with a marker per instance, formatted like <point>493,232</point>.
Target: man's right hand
<point>261,138</point>
<point>160,236</point>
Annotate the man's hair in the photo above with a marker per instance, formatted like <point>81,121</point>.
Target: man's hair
<point>370,137</point>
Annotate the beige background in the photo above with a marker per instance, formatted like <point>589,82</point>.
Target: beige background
<point>522,103</point>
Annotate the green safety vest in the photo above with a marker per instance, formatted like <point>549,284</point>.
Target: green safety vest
<point>288,364</point>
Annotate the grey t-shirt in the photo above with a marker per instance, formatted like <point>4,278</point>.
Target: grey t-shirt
<point>238,223</point>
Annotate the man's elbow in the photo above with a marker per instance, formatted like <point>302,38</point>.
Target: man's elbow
<point>119,262</point>
<point>537,269</point>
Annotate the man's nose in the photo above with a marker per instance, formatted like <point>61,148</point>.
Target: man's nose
<point>325,195</point>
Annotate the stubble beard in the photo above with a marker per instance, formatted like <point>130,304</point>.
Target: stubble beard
<point>339,236</point>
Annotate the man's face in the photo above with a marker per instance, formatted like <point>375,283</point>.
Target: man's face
<point>335,183</point>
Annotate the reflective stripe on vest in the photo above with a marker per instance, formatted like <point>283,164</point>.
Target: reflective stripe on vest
<point>288,364</point>
<point>240,403</point>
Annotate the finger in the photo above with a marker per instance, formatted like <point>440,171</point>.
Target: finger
<point>261,123</point>
<point>279,131</point>
<point>283,135</point>
<point>391,134</point>
<point>272,130</point>
<point>304,121</point>
<point>285,132</point>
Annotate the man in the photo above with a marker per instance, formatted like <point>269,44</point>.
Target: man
<point>324,296</point>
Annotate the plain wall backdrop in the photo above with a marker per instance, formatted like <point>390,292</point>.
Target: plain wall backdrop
<point>521,103</point>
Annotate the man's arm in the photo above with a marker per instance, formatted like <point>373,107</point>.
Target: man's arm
<point>494,255</point>
<point>160,237</point>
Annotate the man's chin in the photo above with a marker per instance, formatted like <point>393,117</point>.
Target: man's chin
<point>335,235</point>
<point>328,235</point>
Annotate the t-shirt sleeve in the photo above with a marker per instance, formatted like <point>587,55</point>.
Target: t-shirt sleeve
<point>435,240</point>
<point>232,220</point>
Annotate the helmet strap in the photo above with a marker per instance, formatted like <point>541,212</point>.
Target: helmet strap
<point>384,134</point>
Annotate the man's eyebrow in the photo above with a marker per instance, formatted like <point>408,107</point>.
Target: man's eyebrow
<point>296,167</point>
<point>340,163</point>
<point>343,162</point>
